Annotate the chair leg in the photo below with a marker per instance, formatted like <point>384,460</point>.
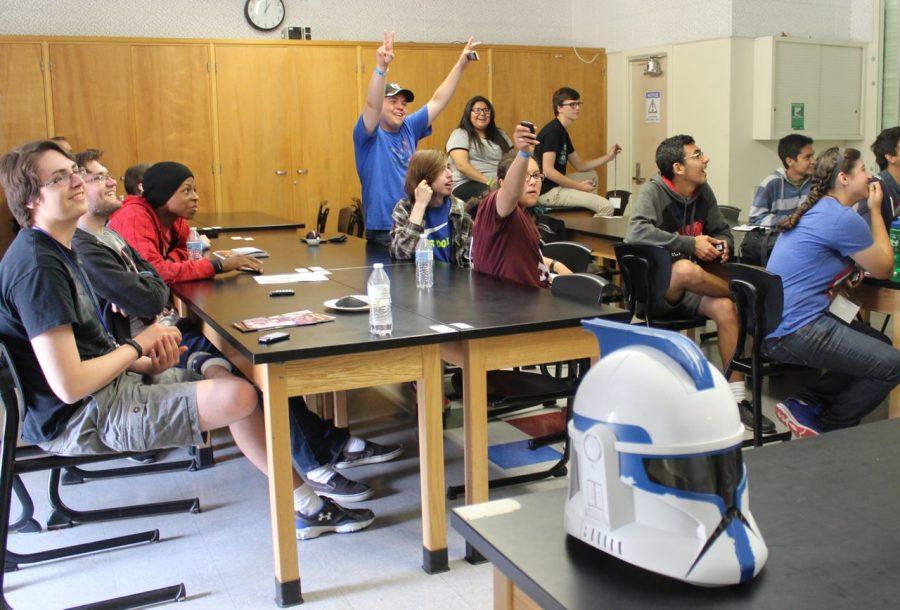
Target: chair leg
<point>14,560</point>
<point>174,593</point>
<point>201,457</point>
<point>26,523</point>
<point>64,516</point>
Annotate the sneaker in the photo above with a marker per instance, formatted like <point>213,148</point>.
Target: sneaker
<point>342,489</point>
<point>746,409</point>
<point>143,458</point>
<point>200,361</point>
<point>332,518</point>
<point>372,453</point>
<point>802,419</point>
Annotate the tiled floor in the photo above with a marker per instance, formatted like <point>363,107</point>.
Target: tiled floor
<point>223,554</point>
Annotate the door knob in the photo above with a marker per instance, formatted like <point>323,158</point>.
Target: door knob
<point>637,174</point>
<point>281,172</point>
<point>302,171</point>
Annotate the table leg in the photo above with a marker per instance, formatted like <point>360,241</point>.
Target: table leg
<point>476,431</point>
<point>431,457</point>
<point>271,379</point>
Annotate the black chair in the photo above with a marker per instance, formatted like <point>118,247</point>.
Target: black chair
<point>11,405</point>
<point>759,297</point>
<point>514,390</point>
<point>351,220</point>
<point>646,272</point>
<point>731,214</point>
<point>322,217</point>
<point>572,254</point>
<point>623,197</point>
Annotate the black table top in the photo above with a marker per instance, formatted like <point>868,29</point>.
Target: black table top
<point>231,222</point>
<point>826,506</point>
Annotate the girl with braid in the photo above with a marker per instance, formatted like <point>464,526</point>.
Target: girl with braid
<point>822,241</point>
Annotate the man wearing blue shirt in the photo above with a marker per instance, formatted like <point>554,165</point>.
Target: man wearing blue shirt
<point>385,136</point>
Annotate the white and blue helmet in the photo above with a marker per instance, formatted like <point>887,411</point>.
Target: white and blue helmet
<point>657,476</point>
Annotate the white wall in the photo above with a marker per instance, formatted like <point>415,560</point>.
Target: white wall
<point>495,21</point>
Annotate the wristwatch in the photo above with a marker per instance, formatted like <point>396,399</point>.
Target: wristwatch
<point>137,346</point>
<point>552,267</point>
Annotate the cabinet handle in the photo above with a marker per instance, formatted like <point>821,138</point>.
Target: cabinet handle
<point>281,172</point>
<point>302,172</point>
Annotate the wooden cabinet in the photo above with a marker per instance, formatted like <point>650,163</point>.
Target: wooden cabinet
<point>171,91</point>
<point>23,108</point>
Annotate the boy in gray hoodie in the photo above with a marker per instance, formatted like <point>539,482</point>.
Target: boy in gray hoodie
<point>678,211</point>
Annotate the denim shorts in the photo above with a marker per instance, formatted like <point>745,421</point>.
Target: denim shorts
<point>134,413</point>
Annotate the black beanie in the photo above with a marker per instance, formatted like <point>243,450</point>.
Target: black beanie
<point>162,180</point>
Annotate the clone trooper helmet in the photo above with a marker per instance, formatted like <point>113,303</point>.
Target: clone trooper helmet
<point>657,477</point>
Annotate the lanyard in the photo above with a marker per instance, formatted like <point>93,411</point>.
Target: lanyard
<point>84,283</point>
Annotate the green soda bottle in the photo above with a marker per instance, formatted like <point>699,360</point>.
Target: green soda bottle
<point>895,244</point>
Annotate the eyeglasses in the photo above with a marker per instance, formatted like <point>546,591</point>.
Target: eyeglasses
<point>101,178</point>
<point>481,111</point>
<point>64,176</point>
<point>573,104</point>
<point>697,154</point>
<point>536,176</point>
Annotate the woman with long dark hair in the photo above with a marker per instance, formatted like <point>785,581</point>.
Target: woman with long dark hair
<point>475,148</point>
<point>821,244</point>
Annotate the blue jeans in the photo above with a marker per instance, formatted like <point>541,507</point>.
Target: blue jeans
<point>860,367</point>
<point>314,442</point>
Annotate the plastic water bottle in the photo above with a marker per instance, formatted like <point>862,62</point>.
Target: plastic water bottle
<point>194,245</point>
<point>895,244</point>
<point>424,263</point>
<point>378,289</point>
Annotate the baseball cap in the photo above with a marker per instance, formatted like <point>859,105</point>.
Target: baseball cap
<point>392,89</point>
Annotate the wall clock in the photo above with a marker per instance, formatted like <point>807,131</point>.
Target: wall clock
<point>265,15</point>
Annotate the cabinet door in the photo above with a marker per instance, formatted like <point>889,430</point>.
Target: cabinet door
<point>171,88</point>
<point>326,107</point>
<point>93,103</point>
<point>23,110</point>
<point>256,106</point>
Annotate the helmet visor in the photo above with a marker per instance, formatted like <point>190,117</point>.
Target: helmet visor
<point>716,473</point>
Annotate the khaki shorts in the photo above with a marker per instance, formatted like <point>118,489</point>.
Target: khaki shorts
<point>134,413</point>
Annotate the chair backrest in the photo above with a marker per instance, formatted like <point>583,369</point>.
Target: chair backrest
<point>350,219</point>
<point>572,254</point>
<point>759,296</point>
<point>322,217</point>
<point>646,272</point>
<point>585,287</point>
<point>731,214</point>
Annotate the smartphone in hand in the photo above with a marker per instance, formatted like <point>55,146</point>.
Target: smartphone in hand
<point>529,125</point>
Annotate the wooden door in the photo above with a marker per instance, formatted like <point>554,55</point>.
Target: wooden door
<point>649,122</point>
<point>93,104</point>
<point>256,106</point>
<point>326,107</point>
<point>23,109</point>
<point>171,89</point>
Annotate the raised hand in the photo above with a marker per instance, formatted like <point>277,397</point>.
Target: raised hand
<point>470,47</point>
<point>385,53</point>
<point>524,140</point>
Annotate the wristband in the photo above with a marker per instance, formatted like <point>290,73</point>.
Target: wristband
<point>217,266</point>
<point>137,346</point>
<point>552,266</point>
<point>523,154</point>
<point>380,72</point>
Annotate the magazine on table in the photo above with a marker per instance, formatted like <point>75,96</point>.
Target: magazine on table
<point>243,251</point>
<point>284,320</point>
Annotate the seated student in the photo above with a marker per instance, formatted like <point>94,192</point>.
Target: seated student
<point>505,239</point>
<point>778,196</point>
<point>155,224</point>
<point>820,243</point>
<point>84,393</point>
<point>436,213</point>
<point>133,179</point>
<point>555,151</point>
<point>475,148</point>
<point>678,210</point>
<point>132,296</point>
<point>886,148</point>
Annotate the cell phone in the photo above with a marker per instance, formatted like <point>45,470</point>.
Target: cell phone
<point>274,338</point>
<point>472,56</point>
<point>529,125</point>
<point>282,292</point>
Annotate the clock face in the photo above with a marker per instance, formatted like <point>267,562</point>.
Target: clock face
<point>264,14</point>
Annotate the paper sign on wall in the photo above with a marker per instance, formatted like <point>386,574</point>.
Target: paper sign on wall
<point>798,112</point>
<point>652,106</point>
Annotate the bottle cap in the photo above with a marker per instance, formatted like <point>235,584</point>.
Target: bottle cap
<point>378,265</point>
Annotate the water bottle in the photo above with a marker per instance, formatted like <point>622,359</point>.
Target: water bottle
<point>378,290</point>
<point>895,244</point>
<point>424,263</point>
<point>194,245</point>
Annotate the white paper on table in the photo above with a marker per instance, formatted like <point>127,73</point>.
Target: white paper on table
<point>319,270</point>
<point>441,328</point>
<point>462,325</point>
<point>290,278</point>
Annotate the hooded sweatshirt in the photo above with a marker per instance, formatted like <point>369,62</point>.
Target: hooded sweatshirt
<point>663,217</point>
<point>776,198</point>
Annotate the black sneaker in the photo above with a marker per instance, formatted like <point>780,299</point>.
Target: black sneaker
<point>332,518</point>
<point>143,458</point>
<point>372,453</point>
<point>746,409</point>
<point>342,489</point>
